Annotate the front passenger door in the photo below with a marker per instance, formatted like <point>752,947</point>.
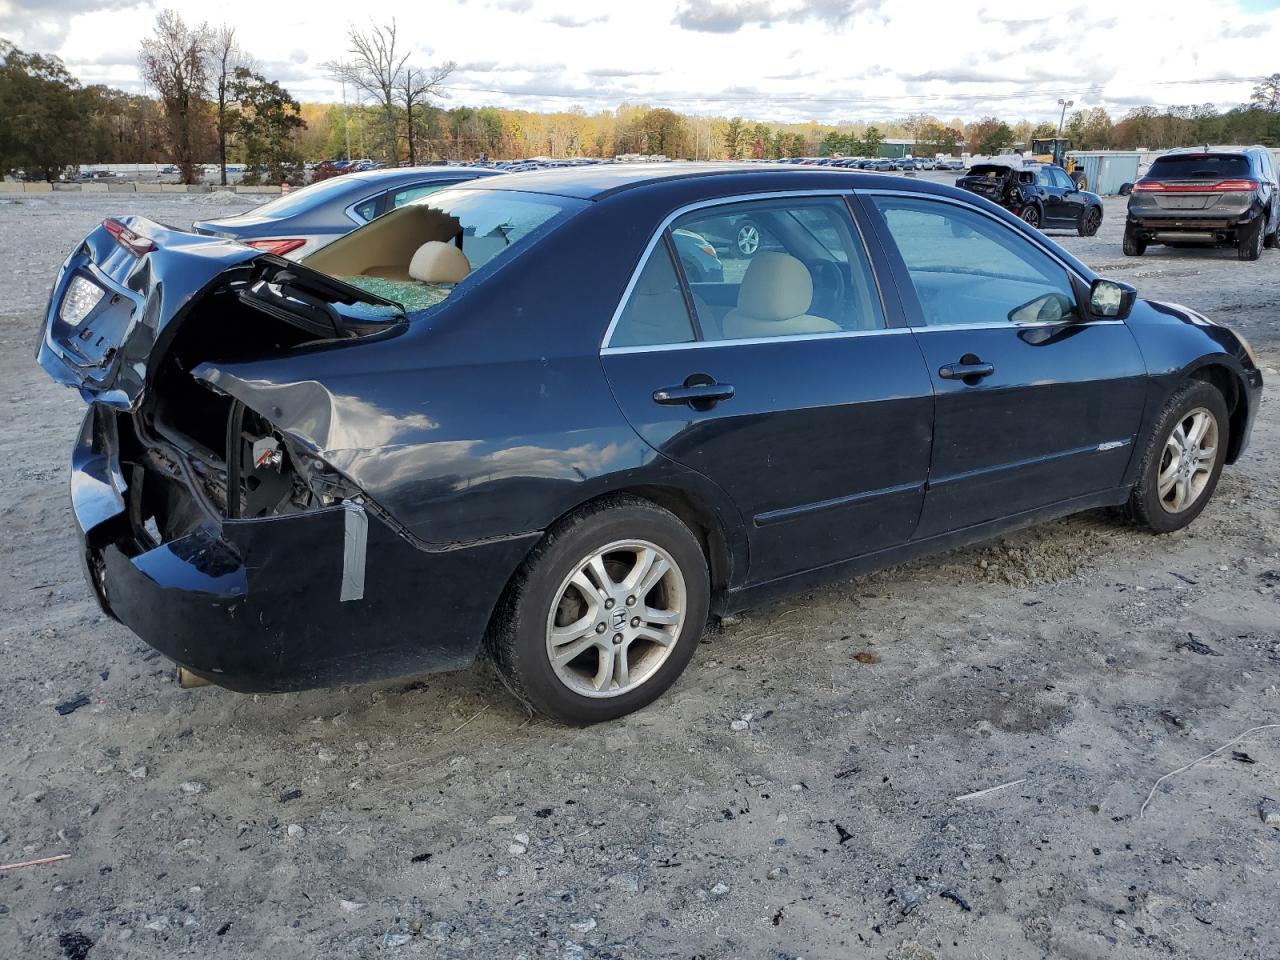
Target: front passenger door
<point>1037,403</point>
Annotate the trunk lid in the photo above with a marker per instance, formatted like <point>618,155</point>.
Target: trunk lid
<point>124,291</point>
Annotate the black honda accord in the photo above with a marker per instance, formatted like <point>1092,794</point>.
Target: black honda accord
<point>504,418</point>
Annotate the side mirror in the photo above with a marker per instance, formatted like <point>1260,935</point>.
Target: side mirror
<point>1111,299</point>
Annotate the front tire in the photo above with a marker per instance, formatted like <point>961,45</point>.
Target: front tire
<point>1090,221</point>
<point>1183,459</point>
<point>625,565</point>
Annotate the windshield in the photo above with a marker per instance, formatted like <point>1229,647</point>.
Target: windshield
<point>416,254</point>
<point>304,198</point>
<point>1199,166</point>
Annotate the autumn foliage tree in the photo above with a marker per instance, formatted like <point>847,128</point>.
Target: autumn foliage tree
<point>174,64</point>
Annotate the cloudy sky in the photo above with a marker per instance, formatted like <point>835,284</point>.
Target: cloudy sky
<point>828,60</point>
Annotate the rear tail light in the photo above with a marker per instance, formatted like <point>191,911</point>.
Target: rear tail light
<point>278,247</point>
<point>1221,186</point>
<point>133,242</point>
<point>79,300</point>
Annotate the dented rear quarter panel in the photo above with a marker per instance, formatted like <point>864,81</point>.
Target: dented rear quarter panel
<point>491,415</point>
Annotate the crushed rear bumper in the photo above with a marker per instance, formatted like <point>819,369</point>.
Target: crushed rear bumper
<point>286,602</point>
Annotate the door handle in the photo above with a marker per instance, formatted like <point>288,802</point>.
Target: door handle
<point>968,370</point>
<point>700,396</point>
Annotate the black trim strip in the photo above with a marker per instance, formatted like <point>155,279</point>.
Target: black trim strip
<point>1031,461</point>
<point>791,513</point>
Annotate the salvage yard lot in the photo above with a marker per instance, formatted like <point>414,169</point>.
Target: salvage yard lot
<point>796,794</point>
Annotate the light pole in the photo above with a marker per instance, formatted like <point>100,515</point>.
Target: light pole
<point>1063,116</point>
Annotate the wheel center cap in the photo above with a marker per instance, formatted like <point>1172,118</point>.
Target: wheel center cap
<point>618,618</point>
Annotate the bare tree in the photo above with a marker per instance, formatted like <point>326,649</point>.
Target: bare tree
<point>417,85</point>
<point>379,68</point>
<point>173,61</point>
<point>224,56</point>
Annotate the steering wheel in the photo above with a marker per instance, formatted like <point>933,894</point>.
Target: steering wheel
<point>829,290</point>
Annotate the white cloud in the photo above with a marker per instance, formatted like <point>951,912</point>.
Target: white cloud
<point>771,59</point>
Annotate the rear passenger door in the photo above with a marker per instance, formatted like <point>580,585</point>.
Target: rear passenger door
<point>789,380</point>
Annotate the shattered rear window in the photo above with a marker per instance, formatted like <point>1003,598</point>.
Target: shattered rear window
<point>456,231</point>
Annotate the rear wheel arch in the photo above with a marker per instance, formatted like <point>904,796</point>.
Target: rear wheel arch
<point>723,557</point>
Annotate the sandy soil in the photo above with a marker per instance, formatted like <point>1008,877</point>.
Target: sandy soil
<point>436,819</point>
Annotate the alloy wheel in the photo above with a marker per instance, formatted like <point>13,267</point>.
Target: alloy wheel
<point>1031,216</point>
<point>1186,463</point>
<point>748,239</point>
<point>1092,221</point>
<point>616,618</point>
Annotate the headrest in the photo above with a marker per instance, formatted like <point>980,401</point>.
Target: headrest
<point>437,262</point>
<point>776,286</point>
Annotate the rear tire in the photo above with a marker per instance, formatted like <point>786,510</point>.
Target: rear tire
<point>574,583</point>
<point>1250,245</point>
<point>1133,246</point>
<point>1179,471</point>
<point>1031,216</point>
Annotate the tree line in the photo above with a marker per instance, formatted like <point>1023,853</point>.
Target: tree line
<point>211,102</point>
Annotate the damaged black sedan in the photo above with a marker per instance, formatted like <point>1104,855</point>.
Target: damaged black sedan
<point>510,417</point>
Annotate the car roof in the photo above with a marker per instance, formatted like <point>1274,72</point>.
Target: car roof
<point>596,183</point>
<point>413,173</point>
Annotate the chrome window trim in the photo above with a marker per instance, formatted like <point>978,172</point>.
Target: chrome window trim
<point>1009,325</point>
<point>841,195</point>
<point>749,341</point>
<point>879,192</point>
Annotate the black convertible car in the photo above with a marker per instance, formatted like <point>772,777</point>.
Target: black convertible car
<point>503,418</point>
<point>1040,194</point>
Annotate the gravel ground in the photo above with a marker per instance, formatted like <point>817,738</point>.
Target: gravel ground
<point>1077,662</point>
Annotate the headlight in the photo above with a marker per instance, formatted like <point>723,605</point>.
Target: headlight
<point>78,302</point>
<point>1248,350</point>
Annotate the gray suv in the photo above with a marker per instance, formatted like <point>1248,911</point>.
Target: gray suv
<point>1202,196</point>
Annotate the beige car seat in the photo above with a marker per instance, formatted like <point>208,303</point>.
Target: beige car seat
<point>772,302</point>
<point>437,262</point>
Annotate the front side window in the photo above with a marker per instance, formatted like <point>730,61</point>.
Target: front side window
<point>1060,178</point>
<point>968,269</point>
<point>774,268</point>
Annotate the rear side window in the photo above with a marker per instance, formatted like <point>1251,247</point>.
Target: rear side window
<point>777,268</point>
<point>366,210</point>
<point>656,311</point>
<point>401,197</point>
<point>1199,166</point>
